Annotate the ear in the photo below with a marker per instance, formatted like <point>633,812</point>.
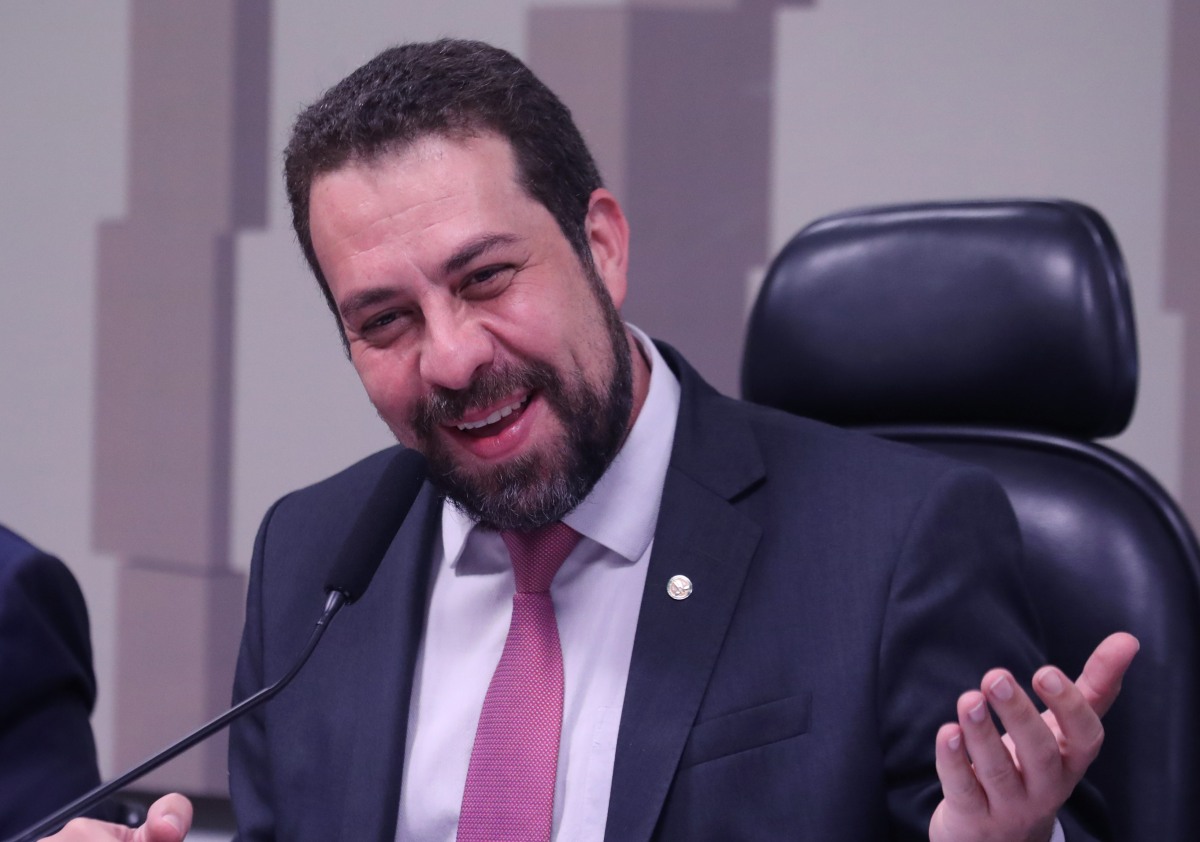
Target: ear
<point>608,238</point>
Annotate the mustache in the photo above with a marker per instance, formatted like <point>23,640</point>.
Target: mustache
<point>442,406</point>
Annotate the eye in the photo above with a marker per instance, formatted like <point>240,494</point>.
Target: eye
<point>384,325</point>
<point>488,279</point>
<point>378,322</point>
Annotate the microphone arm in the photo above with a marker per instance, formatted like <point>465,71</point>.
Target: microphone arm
<point>55,822</point>
<point>377,524</point>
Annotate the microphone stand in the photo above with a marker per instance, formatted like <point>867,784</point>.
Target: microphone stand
<point>376,525</point>
<point>55,822</point>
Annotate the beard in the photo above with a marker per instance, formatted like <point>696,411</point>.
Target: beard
<point>540,487</point>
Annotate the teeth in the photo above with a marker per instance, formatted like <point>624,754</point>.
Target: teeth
<point>503,412</point>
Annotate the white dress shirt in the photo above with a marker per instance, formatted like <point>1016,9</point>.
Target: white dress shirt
<point>597,594</point>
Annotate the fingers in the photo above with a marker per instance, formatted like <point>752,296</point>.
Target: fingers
<point>1030,739</point>
<point>994,767</point>
<point>168,820</point>
<point>90,830</point>
<point>1012,786</point>
<point>959,785</point>
<point>1100,681</point>
<point>1078,723</point>
<point>1027,758</point>
<point>981,780</point>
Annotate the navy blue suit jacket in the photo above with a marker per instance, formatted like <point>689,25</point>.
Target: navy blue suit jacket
<point>846,590</point>
<point>47,689</point>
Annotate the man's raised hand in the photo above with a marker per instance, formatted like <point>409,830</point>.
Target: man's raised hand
<point>1009,788</point>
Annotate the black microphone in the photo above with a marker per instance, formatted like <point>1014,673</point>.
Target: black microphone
<point>376,525</point>
<point>355,566</point>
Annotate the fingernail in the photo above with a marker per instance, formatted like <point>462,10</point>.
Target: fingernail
<point>1051,683</point>
<point>174,821</point>
<point>955,742</point>
<point>977,713</point>
<point>1002,688</point>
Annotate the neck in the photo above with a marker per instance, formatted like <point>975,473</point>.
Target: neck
<point>641,377</point>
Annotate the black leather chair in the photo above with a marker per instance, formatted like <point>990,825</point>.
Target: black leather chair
<point>1002,333</point>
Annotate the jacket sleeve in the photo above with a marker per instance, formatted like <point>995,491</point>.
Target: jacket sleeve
<point>957,607</point>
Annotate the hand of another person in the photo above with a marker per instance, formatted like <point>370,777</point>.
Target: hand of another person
<point>1009,788</point>
<point>169,819</point>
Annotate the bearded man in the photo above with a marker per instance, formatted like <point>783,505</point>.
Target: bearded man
<point>761,623</point>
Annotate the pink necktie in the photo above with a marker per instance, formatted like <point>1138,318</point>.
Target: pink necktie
<point>509,795</point>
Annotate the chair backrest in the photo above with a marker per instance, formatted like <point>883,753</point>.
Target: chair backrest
<point>1002,333</point>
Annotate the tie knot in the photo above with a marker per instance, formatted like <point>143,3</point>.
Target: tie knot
<point>536,555</point>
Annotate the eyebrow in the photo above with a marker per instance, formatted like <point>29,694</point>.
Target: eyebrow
<point>474,249</point>
<point>362,300</point>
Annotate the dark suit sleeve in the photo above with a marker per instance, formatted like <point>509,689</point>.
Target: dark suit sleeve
<point>957,607</point>
<point>47,687</point>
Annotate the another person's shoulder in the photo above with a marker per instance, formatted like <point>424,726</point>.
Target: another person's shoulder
<point>43,625</point>
<point>29,574</point>
<point>17,553</point>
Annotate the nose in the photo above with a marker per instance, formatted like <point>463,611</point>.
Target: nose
<point>455,346</point>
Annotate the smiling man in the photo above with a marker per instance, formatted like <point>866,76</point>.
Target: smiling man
<point>482,338</point>
<point>760,624</point>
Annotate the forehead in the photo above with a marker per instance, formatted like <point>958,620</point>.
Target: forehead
<point>432,186</point>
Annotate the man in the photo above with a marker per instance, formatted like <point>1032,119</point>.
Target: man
<point>47,755</point>
<point>765,619</point>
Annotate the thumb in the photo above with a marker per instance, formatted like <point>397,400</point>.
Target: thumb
<point>1100,681</point>
<point>169,820</point>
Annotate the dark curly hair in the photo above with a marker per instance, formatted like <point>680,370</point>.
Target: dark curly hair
<point>453,88</point>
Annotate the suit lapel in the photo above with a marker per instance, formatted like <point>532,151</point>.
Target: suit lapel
<point>390,619</point>
<point>701,535</point>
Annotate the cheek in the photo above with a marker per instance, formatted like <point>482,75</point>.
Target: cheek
<point>593,347</point>
<point>390,392</point>
<point>558,331</point>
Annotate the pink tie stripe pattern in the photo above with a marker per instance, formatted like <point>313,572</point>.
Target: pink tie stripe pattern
<point>509,795</point>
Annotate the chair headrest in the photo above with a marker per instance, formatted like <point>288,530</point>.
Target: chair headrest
<point>997,313</point>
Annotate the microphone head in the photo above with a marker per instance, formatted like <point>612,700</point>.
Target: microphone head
<point>377,524</point>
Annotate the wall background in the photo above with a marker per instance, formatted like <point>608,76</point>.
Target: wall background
<point>168,369</point>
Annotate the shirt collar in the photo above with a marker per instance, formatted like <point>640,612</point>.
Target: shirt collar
<point>622,509</point>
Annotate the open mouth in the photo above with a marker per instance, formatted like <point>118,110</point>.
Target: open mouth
<point>496,421</point>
